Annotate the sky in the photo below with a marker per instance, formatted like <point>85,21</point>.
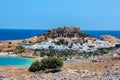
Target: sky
<point>46,14</point>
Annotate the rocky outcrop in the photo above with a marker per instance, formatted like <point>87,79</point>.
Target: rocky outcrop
<point>110,39</point>
<point>65,32</point>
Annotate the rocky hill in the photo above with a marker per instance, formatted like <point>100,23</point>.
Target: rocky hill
<point>65,32</point>
<point>110,39</point>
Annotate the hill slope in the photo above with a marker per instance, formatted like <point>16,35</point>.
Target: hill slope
<point>65,32</point>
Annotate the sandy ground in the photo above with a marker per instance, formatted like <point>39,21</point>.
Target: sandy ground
<point>14,72</point>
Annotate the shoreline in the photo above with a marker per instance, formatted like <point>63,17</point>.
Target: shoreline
<point>7,54</point>
<point>21,61</point>
<point>81,70</point>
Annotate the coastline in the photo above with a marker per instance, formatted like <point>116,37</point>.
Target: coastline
<point>16,61</point>
<point>82,65</point>
<point>7,54</point>
<point>83,70</point>
<point>41,42</point>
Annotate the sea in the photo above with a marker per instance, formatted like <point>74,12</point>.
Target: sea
<point>17,34</point>
<point>15,61</point>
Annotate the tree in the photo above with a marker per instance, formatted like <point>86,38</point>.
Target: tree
<point>20,49</point>
<point>35,66</point>
<point>52,63</point>
<point>46,64</point>
<point>117,46</point>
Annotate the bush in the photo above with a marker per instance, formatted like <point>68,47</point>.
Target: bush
<point>46,64</point>
<point>35,66</point>
<point>117,46</point>
<point>20,49</point>
<point>62,42</point>
<point>52,63</point>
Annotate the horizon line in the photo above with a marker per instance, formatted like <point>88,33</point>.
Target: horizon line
<point>53,28</point>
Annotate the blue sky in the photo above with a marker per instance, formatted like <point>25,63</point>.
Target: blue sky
<point>46,14</point>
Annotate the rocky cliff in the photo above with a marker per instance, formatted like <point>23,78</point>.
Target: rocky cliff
<point>68,32</point>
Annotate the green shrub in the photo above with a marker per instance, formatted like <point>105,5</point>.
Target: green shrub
<point>52,63</point>
<point>35,66</point>
<point>62,42</point>
<point>20,49</point>
<point>46,64</point>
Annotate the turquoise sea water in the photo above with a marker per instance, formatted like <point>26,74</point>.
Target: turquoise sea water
<point>15,61</point>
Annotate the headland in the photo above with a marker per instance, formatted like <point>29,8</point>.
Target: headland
<point>85,57</point>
